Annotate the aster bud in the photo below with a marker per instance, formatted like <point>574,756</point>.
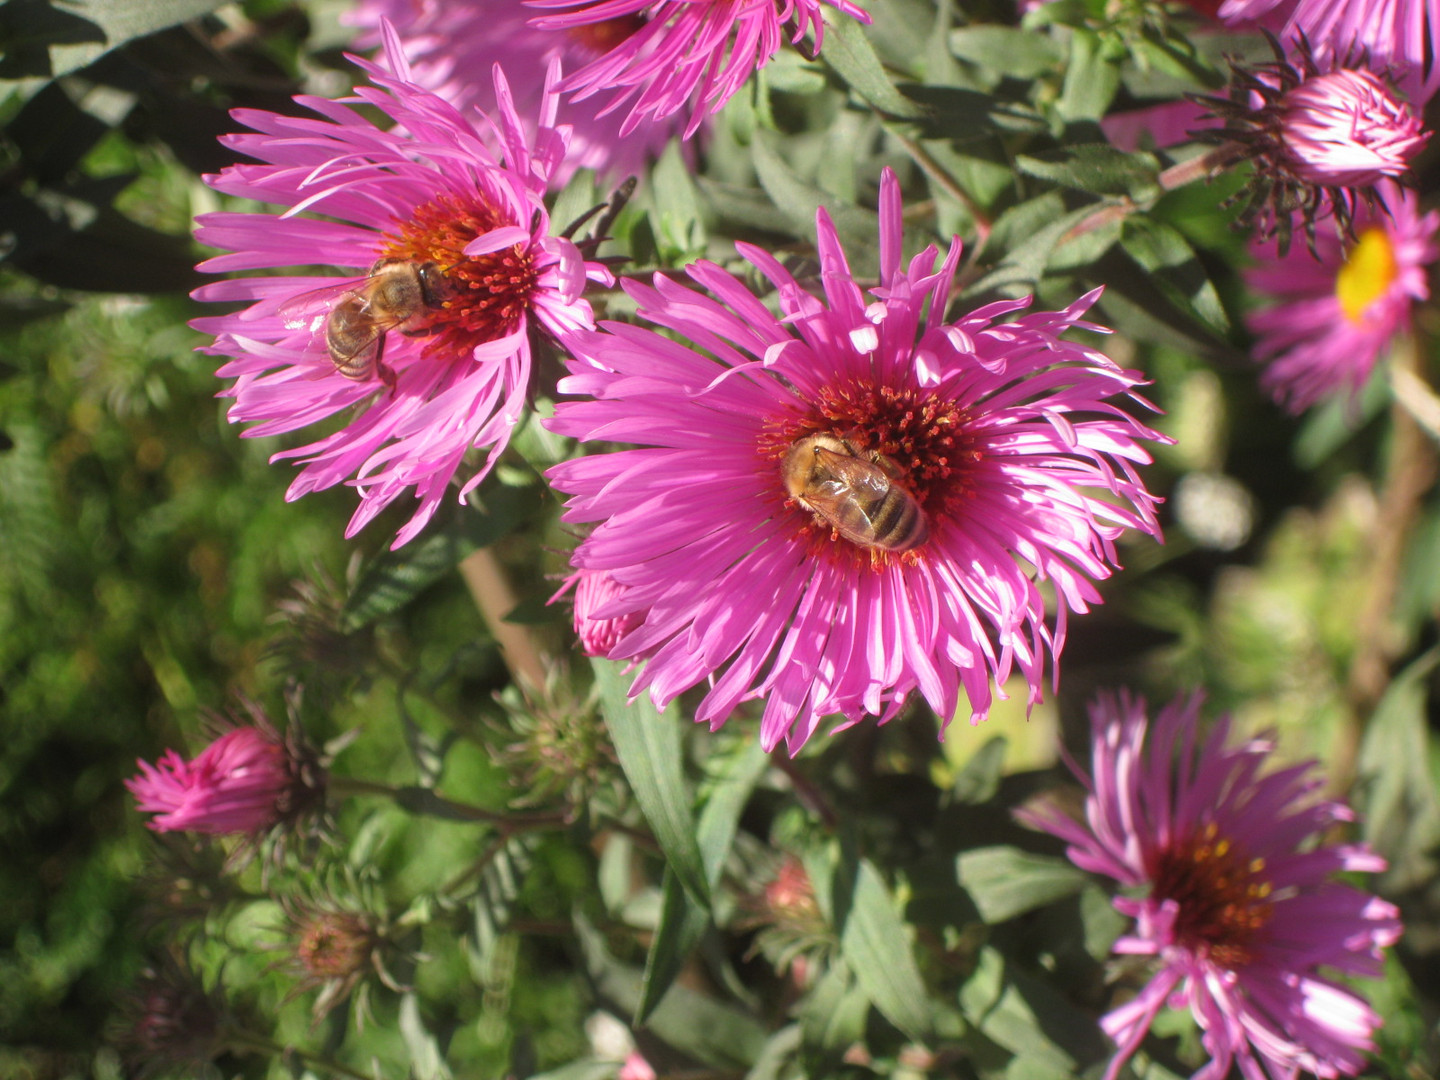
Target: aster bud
<point>594,590</point>
<point>1347,128</point>
<point>1319,141</point>
<point>246,782</point>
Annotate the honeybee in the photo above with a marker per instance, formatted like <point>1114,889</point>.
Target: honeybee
<point>397,294</point>
<point>855,493</point>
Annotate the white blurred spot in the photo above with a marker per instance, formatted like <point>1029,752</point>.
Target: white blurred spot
<point>1214,509</point>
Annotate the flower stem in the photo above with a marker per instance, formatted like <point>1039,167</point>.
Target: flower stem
<point>495,599</point>
<point>423,800</point>
<point>250,1042</point>
<point>1409,475</point>
<point>948,184</point>
<point>1201,167</point>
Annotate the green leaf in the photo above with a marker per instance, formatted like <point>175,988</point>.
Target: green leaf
<point>978,781</point>
<point>41,39</point>
<point>1039,225</point>
<point>682,921</point>
<point>833,1014</point>
<point>1004,881</point>
<point>715,1034</point>
<point>1402,814</point>
<point>876,946</point>
<point>1006,51</point>
<point>849,53</point>
<point>1175,269</point>
<point>426,1061</point>
<point>679,229</point>
<point>393,578</point>
<point>647,743</point>
<point>1028,1018</point>
<point>1098,168</point>
<point>1091,78</point>
<point>800,200</point>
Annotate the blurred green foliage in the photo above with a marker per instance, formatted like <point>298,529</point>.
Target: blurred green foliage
<point>151,563</point>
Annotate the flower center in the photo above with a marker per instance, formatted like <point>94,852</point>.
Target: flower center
<point>335,945</point>
<point>600,37</point>
<point>908,438</point>
<point>1368,273</point>
<point>487,295</point>
<point>1223,900</point>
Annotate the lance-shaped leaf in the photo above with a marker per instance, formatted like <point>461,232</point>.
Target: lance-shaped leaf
<point>682,920</point>
<point>647,742</point>
<point>41,39</point>
<point>1004,881</point>
<point>849,52</point>
<point>874,943</point>
<point>1175,269</point>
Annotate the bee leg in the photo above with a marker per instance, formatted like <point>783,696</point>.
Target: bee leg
<point>385,374</point>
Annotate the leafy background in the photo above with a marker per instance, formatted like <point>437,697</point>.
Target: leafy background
<point>151,569</point>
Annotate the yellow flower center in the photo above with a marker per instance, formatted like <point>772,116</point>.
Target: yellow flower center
<point>1366,275</point>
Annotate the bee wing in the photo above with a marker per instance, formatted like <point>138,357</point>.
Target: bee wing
<point>855,473</point>
<point>309,310</point>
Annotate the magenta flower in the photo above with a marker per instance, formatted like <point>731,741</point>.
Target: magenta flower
<point>1399,34</point>
<point>1238,906</point>
<point>453,45</point>
<point>698,52</point>
<point>1346,129</point>
<point>457,231</point>
<point>833,508</point>
<point>244,782</point>
<point>1319,141</point>
<point>1334,318</point>
<point>593,590</point>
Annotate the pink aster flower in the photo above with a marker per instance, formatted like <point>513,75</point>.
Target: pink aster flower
<point>245,782</point>
<point>1319,141</point>
<point>453,45</point>
<point>1335,317</point>
<point>1399,34</point>
<point>698,52</point>
<point>438,364</point>
<point>1238,906</point>
<point>833,508</point>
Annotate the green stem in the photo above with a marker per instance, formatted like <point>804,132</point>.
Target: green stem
<point>424,800</point>
<point>249,1042</point>
<point>1201,167</point>
<point>1409,475</point>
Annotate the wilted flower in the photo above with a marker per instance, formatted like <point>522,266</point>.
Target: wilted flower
<point>1399,34</point>
<point>792,931</point>
<point>685,51</point>
<point>1319,142</point>
<point>315,638</point>
<point>171,1019</point>
<point>436,364</point>
<point>1235,899</point>
<point>1335,316</point>
<point>561,751</point>
<point>333,945</point>
<point>453,45</point>
<point>246,782</point>
<point>982,457</point>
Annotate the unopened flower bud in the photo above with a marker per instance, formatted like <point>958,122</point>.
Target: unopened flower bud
<point>1348,129</point>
